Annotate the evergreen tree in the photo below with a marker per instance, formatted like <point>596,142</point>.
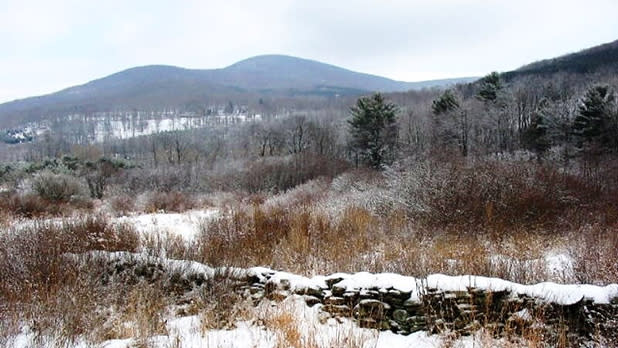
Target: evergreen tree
<point>596,122</point>
<point>450,124</point>
<point>536,137</point>
<point>490,86</point>
<point>444,103</point>
<point>374,130</point>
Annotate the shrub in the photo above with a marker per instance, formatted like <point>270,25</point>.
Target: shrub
<point>56,187</point>
<point>123,204</point>
<point>488,194</point>
<point>169,202</point>
<point>34,256</point>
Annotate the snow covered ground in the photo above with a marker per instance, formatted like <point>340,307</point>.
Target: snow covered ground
<point>186,225</point>
<point>187,332</point>
<point>310,325</point>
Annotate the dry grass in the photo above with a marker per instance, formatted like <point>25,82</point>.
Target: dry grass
<point>293,327</point>
<point>220,305</point>
<point>486,219</point>
<point>169,202</point>
<point>34,206</point>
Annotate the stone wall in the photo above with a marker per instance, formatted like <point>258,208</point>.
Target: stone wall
<point>463,312</point>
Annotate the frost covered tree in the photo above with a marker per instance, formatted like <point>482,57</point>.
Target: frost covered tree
<point>450,122</point>
<point>374,131</point>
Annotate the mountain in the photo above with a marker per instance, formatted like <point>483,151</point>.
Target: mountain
<point>159,86</point>
<point>599,58</point>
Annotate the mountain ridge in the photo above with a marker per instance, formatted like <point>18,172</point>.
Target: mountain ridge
<point>589,60</point>
<point>169,86</point>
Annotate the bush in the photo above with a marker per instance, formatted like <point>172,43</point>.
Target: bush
<point>123,204</point>
<point>169,202</point>
<point>56,187</point>
<point>488,194</point>
<point>35,257</point>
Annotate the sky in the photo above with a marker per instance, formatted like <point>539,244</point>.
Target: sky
<point>48,45</point>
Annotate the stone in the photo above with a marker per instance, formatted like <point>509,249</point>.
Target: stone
<point>311,300</point>
<point>315,292</point>
<point>330,282</point>
<point>255,289</point>
<point>284,284</point>
<point>370,294</point>
<point>371,308</point>
<point>350,296</point>
<point>334,300</point>
<point>338,310</point>
<point>338,290</point>
<point>400,315</point>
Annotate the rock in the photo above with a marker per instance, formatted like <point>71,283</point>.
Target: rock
<point>311,300</point>
<point>370,294</point>
<point>394,326</point>
<point>284,284</point>
<point>338,290</point>
<point>334,300</point>
<point>400,315</point>
<point>371,308</point>
<point>350,296</point>
<point>254,289</point>
<point>416,324</point>
<point>315,292</point>
<point>338,310</point>
<point>330,282</point>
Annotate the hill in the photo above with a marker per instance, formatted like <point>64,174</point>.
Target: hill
<point>599,58</point>
<point>159,86</point>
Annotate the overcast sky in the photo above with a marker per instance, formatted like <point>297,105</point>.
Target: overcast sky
<point>48,45</point>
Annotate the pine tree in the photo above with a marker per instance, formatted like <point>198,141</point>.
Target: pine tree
<point>490,87</point>
<point>536,137</point>
<point>374,130</point>
<point>444,103</point>
<point>596,122</point>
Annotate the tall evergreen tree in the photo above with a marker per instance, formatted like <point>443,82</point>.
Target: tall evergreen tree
<point>596,122</point>
<point>536,137</point>
<point>444,103</point>
<point>374,130</point>
<point>490,87</point>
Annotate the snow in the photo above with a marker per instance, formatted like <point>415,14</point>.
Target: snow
<point>555,265</point>
<point>564,294</point>
<point>187,331</point>
<point>186,225</point>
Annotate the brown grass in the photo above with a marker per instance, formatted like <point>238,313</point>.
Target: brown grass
<point>169,202</point>
<point>471,213</point>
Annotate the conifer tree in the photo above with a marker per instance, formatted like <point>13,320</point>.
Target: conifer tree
<point>596,122</point>
<point>374,130</point>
